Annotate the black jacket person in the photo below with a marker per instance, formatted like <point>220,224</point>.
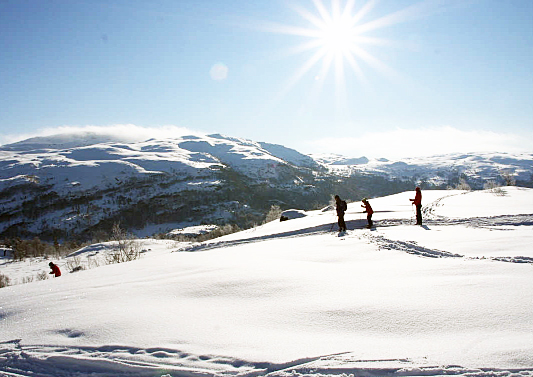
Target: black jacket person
<point>341,207</point>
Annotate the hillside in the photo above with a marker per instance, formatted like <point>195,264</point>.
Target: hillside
<point>72,185</point>
<point>293,298</point>
<point>76,186</point>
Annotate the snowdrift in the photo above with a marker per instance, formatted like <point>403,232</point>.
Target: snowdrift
<point>294,298</point>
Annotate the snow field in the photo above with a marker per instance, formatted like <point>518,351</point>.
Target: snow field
<point>296,298</point>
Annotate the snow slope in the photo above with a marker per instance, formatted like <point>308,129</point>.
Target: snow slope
<point>293,298</point>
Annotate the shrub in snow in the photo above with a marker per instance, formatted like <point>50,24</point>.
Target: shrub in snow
<point>4,281</point>
<point>42,275</point>
<point>508,177</point>
<point>463,185</point>
<point>494,188</point>
<point>218,232</point>
<point>490,185</point>
<point>126,248</point>
<point>74,264</point>
<point>273,214</point>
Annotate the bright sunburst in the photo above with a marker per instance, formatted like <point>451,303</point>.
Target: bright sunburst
<point>336,36</point>
<point>336,31</point>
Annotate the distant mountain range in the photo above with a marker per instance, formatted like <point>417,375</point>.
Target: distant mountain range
<point>476,168</point>
<point>78,185</point>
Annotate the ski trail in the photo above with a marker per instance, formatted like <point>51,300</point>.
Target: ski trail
<point>432,218</point>
<point>428,211</point>
<point>410,247</point>
<point>475,222</point>
<point>349,364</point>
<point>119,361</point>
<point>18,360</point>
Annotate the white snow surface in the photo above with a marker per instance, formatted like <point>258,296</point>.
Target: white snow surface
<point>295,298</point>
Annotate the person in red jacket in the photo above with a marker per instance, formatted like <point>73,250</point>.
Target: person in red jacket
<point>418,202</point>
<point>55,269</point>
<point>369,211</point>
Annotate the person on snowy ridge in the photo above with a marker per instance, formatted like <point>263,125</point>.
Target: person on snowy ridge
<point>55,269</point>
<point>418,202</point>
<point>341,207</point>
<point>369,211</point>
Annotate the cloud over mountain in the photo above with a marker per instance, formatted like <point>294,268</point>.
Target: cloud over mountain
<point>430,141</point>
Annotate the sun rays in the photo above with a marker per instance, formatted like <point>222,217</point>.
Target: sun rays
<point>335,36</point>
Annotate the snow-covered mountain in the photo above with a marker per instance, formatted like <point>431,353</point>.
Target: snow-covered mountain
<point>80,184</point>
<point>477,168</point>
<point>74,184</point>
<point>293,298</point>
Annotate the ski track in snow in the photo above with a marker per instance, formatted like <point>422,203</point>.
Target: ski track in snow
<point>476,222</point>
<point>108,361</point>
<point>432,219</point>
<point>349,365</point>
<point>119,361</point>
<point>411,247</point>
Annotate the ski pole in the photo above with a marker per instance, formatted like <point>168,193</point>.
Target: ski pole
<point>332,224</point>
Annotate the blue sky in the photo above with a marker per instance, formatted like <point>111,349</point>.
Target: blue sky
<point>413,77</point>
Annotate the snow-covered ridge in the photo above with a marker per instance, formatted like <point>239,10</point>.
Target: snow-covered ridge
<point>94,160</point>
<point>479,166</point>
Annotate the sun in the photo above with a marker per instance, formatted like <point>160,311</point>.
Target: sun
<point>335,29</point>
<point>337,37</point>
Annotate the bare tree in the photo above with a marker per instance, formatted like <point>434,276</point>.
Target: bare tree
<point>508,177</point>
<point>126,248</point>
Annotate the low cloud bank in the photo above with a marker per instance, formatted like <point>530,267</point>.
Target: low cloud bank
<point>122,132</point>
<point>422,142</point>
<point>398,143</point>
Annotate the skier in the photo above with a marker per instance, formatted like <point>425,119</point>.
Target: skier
<point>341,207</point>
<point>55,269</point>
<point>369,212</point>
<point>418,202</point>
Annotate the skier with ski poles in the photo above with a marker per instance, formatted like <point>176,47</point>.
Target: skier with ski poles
<point>369,211</point>
<point>418,202</point>
<point>341,207</point>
